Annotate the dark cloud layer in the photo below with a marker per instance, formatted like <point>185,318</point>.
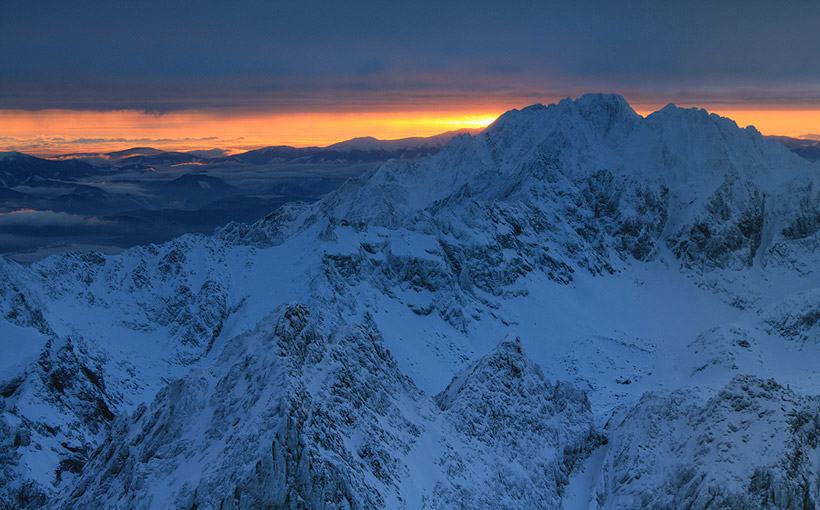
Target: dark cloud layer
<point>320,55</point>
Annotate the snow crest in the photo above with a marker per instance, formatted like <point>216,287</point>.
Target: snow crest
<point>656,279</point>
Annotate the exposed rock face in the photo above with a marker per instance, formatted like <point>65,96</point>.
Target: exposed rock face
<point>291,363</point>
<point>267,426</point>
<point>515,423</point>
<point>726,349</point>
<point>753,445</point>
<point>729,232</point>
<point>17,304</point>
<point>798,317</point>
<point>66,401</point>
<point>195,319</point>
<point>317,421</point>
<point>270,230</point>
<point>55,413</point>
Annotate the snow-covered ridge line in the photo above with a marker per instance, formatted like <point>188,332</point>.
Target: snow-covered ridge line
<point>673,253</point>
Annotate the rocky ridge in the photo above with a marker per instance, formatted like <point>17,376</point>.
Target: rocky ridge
<point>162,369</point>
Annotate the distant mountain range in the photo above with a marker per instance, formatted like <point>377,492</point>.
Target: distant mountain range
<point>140,195</point>
<point>807,148</point>
<point>17,169</point>
<point>353,150</point>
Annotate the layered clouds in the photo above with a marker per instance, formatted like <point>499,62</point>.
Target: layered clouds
<point>320,56</point>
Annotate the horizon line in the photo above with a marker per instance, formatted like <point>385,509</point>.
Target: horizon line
<point>55,133</point>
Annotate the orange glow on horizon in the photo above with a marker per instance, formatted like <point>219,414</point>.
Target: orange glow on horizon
<point>793,122</point>
<point>52,132</point>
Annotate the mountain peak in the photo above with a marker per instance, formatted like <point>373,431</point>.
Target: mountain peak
<point>612,102</point>
<point>134,151</point>
<point>503,365</point>
<point>608,113</point>
<point>605,113</point>
<point>681,116</point>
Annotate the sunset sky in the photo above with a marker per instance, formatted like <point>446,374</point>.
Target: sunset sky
<point>87,76</point>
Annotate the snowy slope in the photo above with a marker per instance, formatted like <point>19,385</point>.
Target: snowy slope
<point>349,354</point>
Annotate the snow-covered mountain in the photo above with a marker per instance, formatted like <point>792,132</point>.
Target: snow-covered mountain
<point>578,307</point>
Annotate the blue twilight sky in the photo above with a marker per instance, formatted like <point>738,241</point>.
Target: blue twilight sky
<point>362,55</point>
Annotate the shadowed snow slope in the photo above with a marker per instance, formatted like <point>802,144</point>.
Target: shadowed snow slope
<point>656,280</point>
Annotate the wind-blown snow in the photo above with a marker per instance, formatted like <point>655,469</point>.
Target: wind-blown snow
<point>20,348</point>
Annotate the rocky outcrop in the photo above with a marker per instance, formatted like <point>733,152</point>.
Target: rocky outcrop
<point>797,318</point>
<point>522,435</point>
<point>752,445</point>
<point>728,233</point>
<point>54,415</point>
<point>18,304</point>
<point>329,421</point>
<point>295,418</point>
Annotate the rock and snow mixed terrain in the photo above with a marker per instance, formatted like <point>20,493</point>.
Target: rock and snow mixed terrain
<point>107,202</point>
<point>578,307</point>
